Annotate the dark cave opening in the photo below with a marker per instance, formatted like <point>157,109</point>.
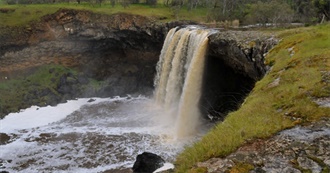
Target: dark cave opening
<point>223,90</point>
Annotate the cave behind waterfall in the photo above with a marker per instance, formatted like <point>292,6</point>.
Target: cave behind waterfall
<point>223,89</point>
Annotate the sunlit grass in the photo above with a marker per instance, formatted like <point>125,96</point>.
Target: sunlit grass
<point>272,108</point>
<point>24,14</point>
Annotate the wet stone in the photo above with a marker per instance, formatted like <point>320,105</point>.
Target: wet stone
<point>307,163</point>
<point>291,170</point>
<point>147,163</point>
<point>4,138</point>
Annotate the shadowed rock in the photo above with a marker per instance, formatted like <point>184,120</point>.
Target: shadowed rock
<point>122,51</point>
<point>147,163</point>
<point>4,138</point>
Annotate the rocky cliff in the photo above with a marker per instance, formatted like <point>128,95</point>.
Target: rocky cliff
<point>121,50</point>
<point>235,61</point>
<point>99,45</point>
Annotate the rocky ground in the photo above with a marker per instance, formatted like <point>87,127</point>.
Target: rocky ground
<point>300,149</point>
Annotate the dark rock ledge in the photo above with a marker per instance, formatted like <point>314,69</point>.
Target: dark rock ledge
<point>122,50</point>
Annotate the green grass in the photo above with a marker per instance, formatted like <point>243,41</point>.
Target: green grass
<point>24,14</point>
<point>13,91</point>
<point>269,109</point>
<point>20,92</point>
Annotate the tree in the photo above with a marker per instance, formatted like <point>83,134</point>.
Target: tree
<point>304,11</point>
<point>177,3</point>
<point>323,8</point>
<point>125,3</point>
<point>192,4</point>
<point>113,3</point>
<point>151,2</point>
<point>274,12</point>
<point>221,10</point>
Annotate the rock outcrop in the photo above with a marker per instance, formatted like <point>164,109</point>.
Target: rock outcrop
<point>301,149</point>
<point>235,61</point>
<point>243,51</point>
<point>4,138</point>
<point>147,163</point>
<point>122,50</point>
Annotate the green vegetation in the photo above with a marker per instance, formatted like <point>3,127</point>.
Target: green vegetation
<point>23,14</point>
<point>20,12</point>
<point>13,91</point>
<point>38,87</point>
<point>282,99</point>
<point>18,15</point>
<point>241,168</point>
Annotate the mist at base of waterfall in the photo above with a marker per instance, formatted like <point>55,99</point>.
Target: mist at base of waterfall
<point>83,136</point>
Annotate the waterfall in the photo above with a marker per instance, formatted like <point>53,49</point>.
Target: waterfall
<point>179,77</point>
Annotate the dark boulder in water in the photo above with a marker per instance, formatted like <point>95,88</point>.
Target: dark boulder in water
<point>4,138</point>
<point>147,163</point>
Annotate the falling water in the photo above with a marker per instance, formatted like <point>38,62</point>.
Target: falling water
<point>179,77</point>
<point>96,135</point>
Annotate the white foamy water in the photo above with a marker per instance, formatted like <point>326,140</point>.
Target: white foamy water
<point>36,116</point>
<point>81,136</point>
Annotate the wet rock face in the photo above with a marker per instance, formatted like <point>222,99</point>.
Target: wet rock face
<point>235,61</point>
<point>4,138</point>
<point>147,163</point>
<point>122,51</point>
<point>102,46</point>
<point>242,51</point>
<point>224,89</point>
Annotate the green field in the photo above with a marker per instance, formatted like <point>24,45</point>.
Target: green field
<point>23,14</point>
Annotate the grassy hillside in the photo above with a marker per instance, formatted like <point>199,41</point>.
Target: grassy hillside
<point>15,15</point>
<point>285,97</point>
<point>39,86</point>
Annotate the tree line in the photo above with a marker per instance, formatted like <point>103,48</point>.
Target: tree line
<point>246,11</point>
<point>261,11</point>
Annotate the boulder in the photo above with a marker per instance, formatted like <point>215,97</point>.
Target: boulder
<point>147,163</point>
<point>4,172</point>
<point>4,138</point>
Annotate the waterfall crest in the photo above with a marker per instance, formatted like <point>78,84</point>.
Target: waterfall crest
<point>179,77</point>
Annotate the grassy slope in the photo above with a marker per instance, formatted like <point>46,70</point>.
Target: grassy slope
<point>271,108</point>
<point>24,14</point>
<point>13,91</point>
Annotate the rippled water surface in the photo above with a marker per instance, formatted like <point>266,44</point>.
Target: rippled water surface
<point>87,136</point>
